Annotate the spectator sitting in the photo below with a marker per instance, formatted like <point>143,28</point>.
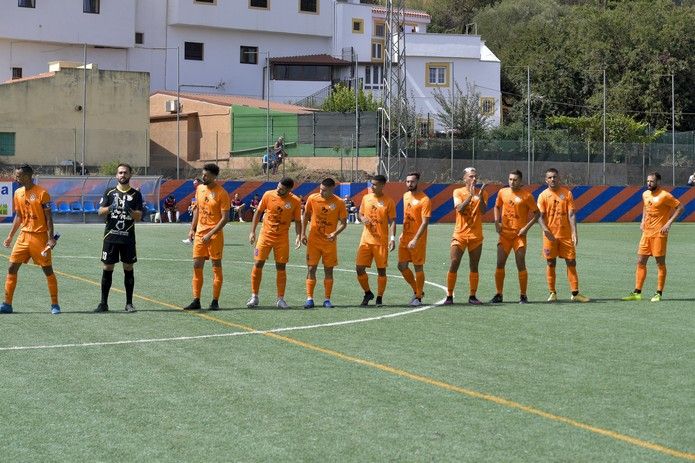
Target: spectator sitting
<point>237,211</point>
<point>351,210</point>
<point>269,162</point>
<point>170,209</point>
<point>691,180</point>
<point>253,205</point>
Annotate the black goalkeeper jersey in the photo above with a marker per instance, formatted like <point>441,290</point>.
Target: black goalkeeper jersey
<point>120,226</point>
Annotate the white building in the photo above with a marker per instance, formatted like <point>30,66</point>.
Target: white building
<point>224,46</point>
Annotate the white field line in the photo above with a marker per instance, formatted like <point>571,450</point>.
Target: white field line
<point>236,333</point>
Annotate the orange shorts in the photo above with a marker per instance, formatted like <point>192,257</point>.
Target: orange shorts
<point>511,242</point>
<point>652,246</point>
<point>416,255</point>
<point>561,247</point>
<point>328,252</point>
<point>368,252</point>
<point>469,244</point>
<point>213,249</point>
<point>281,251</point>
<point>30,245</point>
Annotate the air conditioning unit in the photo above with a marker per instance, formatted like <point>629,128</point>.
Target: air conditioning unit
<point>172,106</point>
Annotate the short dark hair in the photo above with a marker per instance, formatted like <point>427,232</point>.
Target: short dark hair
<point>551,170</point>
<point>656,175</point>
<point>414,174</point>
<point>287,183</point>
<point>328,182</point>
<point>379,178</point>
<point>123,164</point>
<point>213,168</point>
<point>518,173</point>
<point>27,169</point>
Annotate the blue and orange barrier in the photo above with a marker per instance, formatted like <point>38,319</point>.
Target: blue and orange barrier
<point>594,203</point>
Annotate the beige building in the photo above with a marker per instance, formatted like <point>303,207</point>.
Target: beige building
<point>206,131</point>
<point>42,117</point>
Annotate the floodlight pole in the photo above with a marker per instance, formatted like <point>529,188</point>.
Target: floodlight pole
<point>673,130</point>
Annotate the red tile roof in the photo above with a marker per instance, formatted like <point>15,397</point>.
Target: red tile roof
<point>24,79</point>
<point>310,59</point>
<point>229,100</point>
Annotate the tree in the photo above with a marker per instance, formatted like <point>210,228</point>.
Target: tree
<point>619,128</point>
<point>463,109</point>
<point>342,99</point>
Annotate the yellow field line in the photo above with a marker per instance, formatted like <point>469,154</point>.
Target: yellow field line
<point>427,380</point>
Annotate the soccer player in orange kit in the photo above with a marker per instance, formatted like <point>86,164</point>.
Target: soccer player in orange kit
<point>412,245</point>
<point>512,209</point>
<point>281,208</point>
<point>32,205</point>
<point>209,218</point>
<point>560,236</point>
<point>468,234</point>
<point>660,210</point>
<point>378,216</point>
<point>328,217</point>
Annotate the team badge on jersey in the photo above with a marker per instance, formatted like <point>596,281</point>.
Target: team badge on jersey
<point>655,199</point>
<point>517,199</point>
<point>32,197</point>
<point>331,206</point>
<point>288,205</point>
<point>380,203</point>
<point>415,202</point>
<point>562,197</point>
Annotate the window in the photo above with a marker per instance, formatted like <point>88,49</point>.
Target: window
<point>208,2</point>
<point>16,73</point>
<point>377,50</point>
<point>90,6</point>
<point>437,74</point>
<point>27,3</point>
<point>6,143</point>
<point>249,55</point>
<point>309,6</point>
<point>302,72</point>
<point>379,29</point>
<point>372,77</point>
<point>259,4</point>
<point>193,51</point>
<point>425,127</point>
<point>139,38</point>
<point>487,106</point>
<point>357,26</point>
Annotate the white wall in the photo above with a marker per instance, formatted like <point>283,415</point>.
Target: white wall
<point>63,21</point>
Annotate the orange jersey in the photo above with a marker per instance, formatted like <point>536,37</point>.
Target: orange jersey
<point>416,207</point>
<point>469,223</point>
<point>379,211</point>
<point>213,204</point>
<point>657,210</point>
<point>515,207</point>
<point>555,207</point>
<point>30,205</point>
<point>325,214</point>
<point>280,211</point>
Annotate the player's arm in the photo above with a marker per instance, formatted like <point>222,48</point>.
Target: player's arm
<point>49,224</point>
<point>16,223</point>
<point>544,226</point>
<point>678,211</point>
<point>482,198</point>
<point>105,205</point>
<point>573,226</point>
<point>194,224</point>
<point>460,205</point>
<point>420,231</point>
<point>254,222</point>
<point>298,228</point>
<point>306,218</point>
<point>363,218</point>
<point>534,219</point>
<point>392,230</point>
<point>497,213</point>
<point>135,211</point>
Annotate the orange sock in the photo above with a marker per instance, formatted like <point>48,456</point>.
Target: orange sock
<point>499,280</point>
<point>10,285</point>
<point>640,276</point>
<point>450,283</point>
<point>523,281</point>
<point>420,283</point>
<point>256,276</point>
<point>660,277</point>
<point>328,287</point>
<point>550,276</point>
<point>281,282</point>
<point>573,278</point>
<point>197,282</point>
<point>410,279</point>
<point>364,282</point>
<point>217,280</point>
<point>310,285</point>
<point>473,279</point>
<point>53,287</point>
<point>380,285</point>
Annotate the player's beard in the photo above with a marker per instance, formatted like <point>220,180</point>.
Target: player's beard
<point>123,180</point>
